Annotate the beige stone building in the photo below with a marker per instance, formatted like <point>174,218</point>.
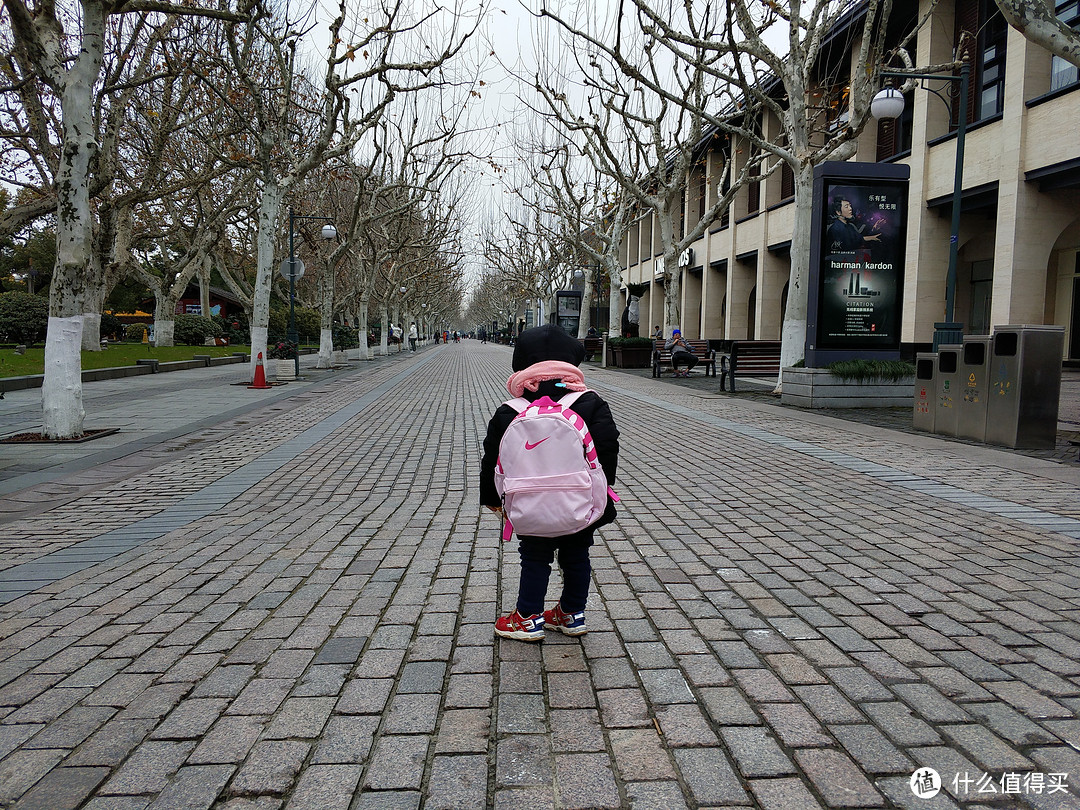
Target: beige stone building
<point>1019,255</point>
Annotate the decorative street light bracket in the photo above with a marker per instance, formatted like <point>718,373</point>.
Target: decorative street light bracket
<point>295,270</point>
<point>889,103</point>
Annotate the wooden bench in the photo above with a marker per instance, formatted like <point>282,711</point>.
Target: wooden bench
<point>593,346</point>
<point>750,358</point>
<point>661,357</point>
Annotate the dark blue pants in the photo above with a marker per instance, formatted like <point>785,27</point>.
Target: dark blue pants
<point>537,554</point>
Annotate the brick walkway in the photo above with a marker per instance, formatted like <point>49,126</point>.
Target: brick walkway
<point>293,609</point>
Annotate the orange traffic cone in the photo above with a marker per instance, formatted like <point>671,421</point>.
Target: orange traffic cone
<point>260,374</point>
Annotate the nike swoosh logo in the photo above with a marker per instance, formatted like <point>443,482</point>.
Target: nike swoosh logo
<point>531,445</point>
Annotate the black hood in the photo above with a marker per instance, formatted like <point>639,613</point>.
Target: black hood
<point>547,342</point>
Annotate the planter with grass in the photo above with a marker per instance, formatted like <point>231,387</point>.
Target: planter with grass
<point>630,352</point>
<point>851,384</point>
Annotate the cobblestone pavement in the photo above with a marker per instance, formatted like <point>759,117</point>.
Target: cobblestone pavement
<point>792,611</point>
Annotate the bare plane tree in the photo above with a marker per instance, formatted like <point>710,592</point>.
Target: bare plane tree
<point>639,116</point>
<point>65,48</point>
<point>1036,20</point>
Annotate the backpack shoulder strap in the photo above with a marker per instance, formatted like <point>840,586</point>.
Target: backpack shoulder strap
<point>519,404</point>
<point>569,399</point>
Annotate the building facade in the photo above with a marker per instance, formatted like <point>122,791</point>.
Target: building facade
<point>1019,237</point>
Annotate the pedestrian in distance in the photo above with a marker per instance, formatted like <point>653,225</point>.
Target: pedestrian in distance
<point>412,337</point>
<point>548,523</point>
<point>681,354</point>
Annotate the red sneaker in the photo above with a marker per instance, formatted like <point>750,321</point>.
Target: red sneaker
<point>523,628</point>
<point>572,624</point>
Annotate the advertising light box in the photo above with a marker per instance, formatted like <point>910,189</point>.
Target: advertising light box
<point>857,262</point>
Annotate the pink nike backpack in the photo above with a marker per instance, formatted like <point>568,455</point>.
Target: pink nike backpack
<point>547,471</point>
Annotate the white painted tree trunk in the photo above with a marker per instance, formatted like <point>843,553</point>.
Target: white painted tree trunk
<point>586,307</point>
<point>269,207</point>
<point>75,267</point>
<point>164,331</point>
<point>615,304</point>
<point>326,348</point>
<point>91,332</point>
<point>794,331</point>
<point>384,345</point>
<point>61,390</point>
<point>362,332</point>
<point>164,321</point>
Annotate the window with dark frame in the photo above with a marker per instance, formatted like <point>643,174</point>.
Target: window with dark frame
<point>1063,73</point>
<point>987,33</point>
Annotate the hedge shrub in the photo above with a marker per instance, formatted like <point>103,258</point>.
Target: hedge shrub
<point>193,330</point>
<point>24,318</point>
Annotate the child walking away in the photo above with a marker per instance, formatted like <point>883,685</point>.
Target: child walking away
<point>549,460</point>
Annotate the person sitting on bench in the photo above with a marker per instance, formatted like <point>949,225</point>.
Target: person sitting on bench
<point>681,354</point>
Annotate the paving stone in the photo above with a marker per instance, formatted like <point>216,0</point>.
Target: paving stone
<point>397,763</point>
<point>463,731</point>
<point>225,681</point>
<point>666,686</point>
<point>472,690</point>
<point>860,686</point>
<point>728,707</point>
<point>21,770</point>
<point>613,673</point>
<point>523,761</point>
<point>345,740</point>
<point>516,798</point>
<point>69,731</point>
<point>684,725</point>
<point>783,794</point>
<point>710,777</point>
<point>62,789</point>
<point>321,681</point>
<point>586,780</point>
<point>271,768</point>
<point>365,696</point>
<point>521,714</point>
<point>327,787</point>
<point>623,708</point>
<point>639,755</point>
<point>756,752</point>
<point>520,676</point>
<point>149,768</point>
<point>194,788</point>
<point>838,779</point>
<point>412,714</point>
<point>190,719</point>
<point>576,730</point>
<point>899,723</point>
<point>985,748</point>
<point>378,663</point>
<point>228,741</point>
<point>794,725</point>
<point>1027,701</point>
<point>794,669</point>
<point>111,745</point>
<point>422,677</point>
<point>458,783</point>
<point>655,796</point>
<point>874,753</point>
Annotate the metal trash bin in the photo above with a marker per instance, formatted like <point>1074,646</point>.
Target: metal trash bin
<point>947,385</point>
<point>1025,384</point>
<point>925,391</point>
<point>974,372</point>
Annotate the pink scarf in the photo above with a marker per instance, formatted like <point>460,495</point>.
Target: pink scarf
<point>529,379</point>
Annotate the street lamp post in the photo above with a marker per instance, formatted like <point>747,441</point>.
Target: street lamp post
<point>889,103</point>
<point>328,232</point>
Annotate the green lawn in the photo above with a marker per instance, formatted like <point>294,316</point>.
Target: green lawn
<point>118,354</point>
